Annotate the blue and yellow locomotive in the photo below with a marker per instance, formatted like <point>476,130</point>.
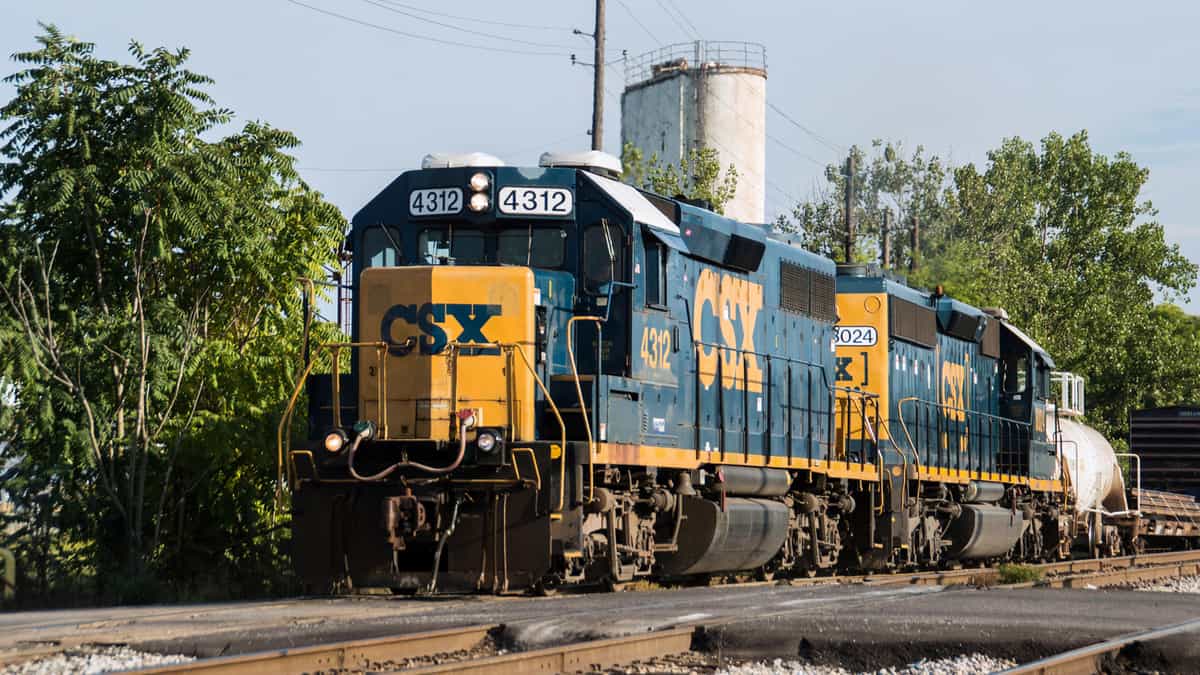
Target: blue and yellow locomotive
<point>556,378</point>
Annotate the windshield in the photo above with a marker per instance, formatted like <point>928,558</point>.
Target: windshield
<point>451,245</point>
<point>543,247</point>
<point>381,247</point>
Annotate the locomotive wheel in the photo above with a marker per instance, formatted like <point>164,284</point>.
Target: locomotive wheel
<point>613,586</point>
<point>545,588</point>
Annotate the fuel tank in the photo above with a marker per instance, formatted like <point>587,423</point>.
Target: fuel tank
<point>744,535</point>
<point>1092,468</point>
<point>984,531</point>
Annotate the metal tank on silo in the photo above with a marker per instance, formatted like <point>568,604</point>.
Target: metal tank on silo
<point>703,94</point>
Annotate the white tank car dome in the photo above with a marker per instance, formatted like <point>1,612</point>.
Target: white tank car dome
<point>600,163</point>
<point>450,160</point>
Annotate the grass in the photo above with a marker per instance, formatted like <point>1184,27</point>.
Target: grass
<point>1018,574</point>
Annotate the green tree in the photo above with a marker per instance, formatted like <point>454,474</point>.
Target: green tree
<point>148,272</point>
<point>1055,233</point>
<point>1060,236</point>
<point>697,176</point>
<point>909,186</point>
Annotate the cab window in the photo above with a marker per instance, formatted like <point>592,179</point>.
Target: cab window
<point>603,256</point>
<point>1016,374</point>
<point>381,247</point>
<point>532,247</point>
<point>451,245</point>
<point>656,273</point>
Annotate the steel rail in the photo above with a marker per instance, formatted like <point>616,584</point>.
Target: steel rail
<point>1103,568</point>
<point>1089,659</point>
<point>337,656</point>
<point>577,657</point>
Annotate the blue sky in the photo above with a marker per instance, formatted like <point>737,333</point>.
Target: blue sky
<point>956,77</point>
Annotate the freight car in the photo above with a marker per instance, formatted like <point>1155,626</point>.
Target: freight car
<point>555,378</point>
<point>1168,442</point>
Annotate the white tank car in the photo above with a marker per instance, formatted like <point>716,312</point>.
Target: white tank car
<point>1086,456</point>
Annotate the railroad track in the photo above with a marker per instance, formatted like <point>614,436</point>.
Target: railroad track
<point>1092,659</point>
<point>1062,574</point>
<point>473,649</point>
<point>451,651</point>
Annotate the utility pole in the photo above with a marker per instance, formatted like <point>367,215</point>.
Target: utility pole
<point>885,240</point>
<point>916,243</point>
<point>851,165</point>
<point>598,80</point>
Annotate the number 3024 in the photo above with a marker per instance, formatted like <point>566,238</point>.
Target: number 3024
<point>656,347</point>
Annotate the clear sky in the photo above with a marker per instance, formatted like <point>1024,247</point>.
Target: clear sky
<point>954,76</point>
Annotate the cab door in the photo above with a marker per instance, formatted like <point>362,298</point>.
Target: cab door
<point>604,260</point>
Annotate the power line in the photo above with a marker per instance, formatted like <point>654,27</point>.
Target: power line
<point>451,26</point>
<point>348,169</point>
<point>528,26</point>
<point>685,18</point>
<point>827,143</point>
<point>451,43</point>
<point>773,139</point>
<point>674,19</point>
<point>638,21</point>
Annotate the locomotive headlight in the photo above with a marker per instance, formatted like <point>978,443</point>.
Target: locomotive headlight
<point>486,442</point>
<point>335,441</point>
<point>479,202</point>
<point>480,182</point>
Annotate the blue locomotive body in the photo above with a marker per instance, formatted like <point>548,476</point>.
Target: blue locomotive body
<point>557,378</point>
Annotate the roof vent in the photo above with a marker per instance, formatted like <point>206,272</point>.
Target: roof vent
<point>995,312</point>
<point>600,163</point>
<point>450,160</point>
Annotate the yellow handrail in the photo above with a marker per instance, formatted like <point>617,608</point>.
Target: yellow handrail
<point>280,436</point>
<point>537,473</point>
<point>282,441</point>
<point>859,401</point>
<point>587,425</point>
<point>562,459</point>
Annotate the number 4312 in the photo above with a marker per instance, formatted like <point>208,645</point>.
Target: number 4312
<point>656,346</point>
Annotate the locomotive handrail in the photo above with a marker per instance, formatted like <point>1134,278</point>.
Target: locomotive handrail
<point>562,460</point>
<point>282,440</point>
<point>1003,421</point>
<point>770,357</point>
<point>587,424</point>
<point>886,423</point>
<point>858,398</point>
<point>381,361</point>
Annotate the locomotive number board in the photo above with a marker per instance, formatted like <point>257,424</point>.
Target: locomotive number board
<point>856,336</point>
<point>435,202</point>
<point>536,201</point>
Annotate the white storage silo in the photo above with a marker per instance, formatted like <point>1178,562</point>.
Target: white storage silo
<point>703,94</point>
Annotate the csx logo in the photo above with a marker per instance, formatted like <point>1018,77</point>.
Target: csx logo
<point>955,396</point>
<point>734,304</point>
<point>433,338</point>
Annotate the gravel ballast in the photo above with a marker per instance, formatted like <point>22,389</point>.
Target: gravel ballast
<point>968,664</point>
<point>93,660</point>
<point>1176,585</point>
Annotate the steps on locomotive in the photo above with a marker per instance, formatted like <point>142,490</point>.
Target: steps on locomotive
<point>566,397</point>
